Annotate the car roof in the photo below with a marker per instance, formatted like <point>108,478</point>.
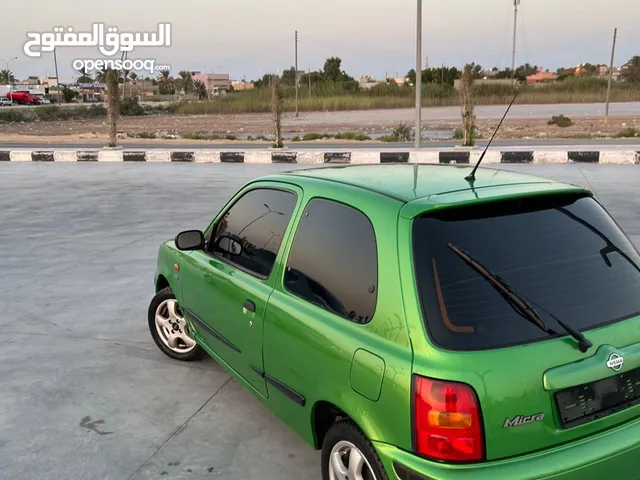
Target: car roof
<point>428,183</point>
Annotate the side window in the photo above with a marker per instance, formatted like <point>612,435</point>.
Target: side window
<point>333,262</point>
<point>250,233</point>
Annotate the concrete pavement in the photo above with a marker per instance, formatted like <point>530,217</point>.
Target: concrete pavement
<point>85,393</point>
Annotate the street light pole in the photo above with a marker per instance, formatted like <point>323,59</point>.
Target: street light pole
<point>55,61</point>
<point>6,63</point>
<point>516,3</point>
<point>418,129</point>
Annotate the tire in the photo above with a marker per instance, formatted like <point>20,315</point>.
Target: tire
<point>340,440</point>
<point>166,324</point>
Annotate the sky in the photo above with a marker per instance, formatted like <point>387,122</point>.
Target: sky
<point>249,38</point>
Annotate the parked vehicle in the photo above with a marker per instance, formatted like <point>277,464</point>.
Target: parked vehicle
<point>5,102</point>
<point>412,323</point>
<point>23,98</point>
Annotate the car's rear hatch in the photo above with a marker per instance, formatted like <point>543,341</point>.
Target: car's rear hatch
<point>569,259</point>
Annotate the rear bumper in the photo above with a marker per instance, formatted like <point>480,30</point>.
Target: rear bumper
<point>612,454</point>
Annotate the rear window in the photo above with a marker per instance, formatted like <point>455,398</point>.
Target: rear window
<point>564,254</point>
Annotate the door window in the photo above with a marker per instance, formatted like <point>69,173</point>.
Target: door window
<point>333,262</point>
<point>250,233</point>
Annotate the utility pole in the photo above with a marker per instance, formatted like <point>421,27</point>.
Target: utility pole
<point>516,3</point>
<point>55,61</point>
<point>297,85</point>
<point>613,54</point>
<point>309,83</point>
<point>418,128</point>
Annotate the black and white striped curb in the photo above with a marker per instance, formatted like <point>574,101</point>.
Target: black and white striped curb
<point>620,157</point>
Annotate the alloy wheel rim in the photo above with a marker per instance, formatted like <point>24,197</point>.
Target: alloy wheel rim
<point>347,462</point>
<point>171,327</point>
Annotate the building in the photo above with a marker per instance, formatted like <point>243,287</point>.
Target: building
<point>542,77</point>
<point>242,86</point>
<point>214,82</point>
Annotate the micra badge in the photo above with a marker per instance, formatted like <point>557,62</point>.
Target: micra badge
<point>522,420</point>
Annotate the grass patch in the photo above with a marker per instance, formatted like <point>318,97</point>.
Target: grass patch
<point>628,132</point>
<point>206,136</point>
<point>310,137</point>
<point>560,121</point>
<point>578,90</point>
<point>50,113</point>
<point>145,135</point>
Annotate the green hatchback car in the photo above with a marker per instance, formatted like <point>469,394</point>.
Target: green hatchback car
<point>412,324</point>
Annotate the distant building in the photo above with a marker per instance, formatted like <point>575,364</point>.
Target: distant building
<point>215,83</point>
<point>542,77</point>
<point>367,81</point>
<point>242,86</point>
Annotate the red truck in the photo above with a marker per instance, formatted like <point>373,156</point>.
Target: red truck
<point>23,98</point>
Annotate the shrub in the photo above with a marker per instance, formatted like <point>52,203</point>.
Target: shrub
<point>130,107</point>
<point>560,121</point>
<point>628,132</point>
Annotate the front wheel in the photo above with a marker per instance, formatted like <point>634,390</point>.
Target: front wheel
<point>348,455</point>
<point>168,328</point>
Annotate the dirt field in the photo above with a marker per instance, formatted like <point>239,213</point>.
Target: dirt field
<point>524,122</point>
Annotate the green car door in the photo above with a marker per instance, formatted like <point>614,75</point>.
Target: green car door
<point>227,286</point>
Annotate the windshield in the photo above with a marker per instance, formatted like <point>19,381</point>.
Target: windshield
<point>565,254</point>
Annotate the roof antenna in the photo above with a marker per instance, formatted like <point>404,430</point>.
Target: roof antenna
<point>472,176</point>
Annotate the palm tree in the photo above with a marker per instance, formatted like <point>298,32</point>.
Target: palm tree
<point>84,77</point>
<point>200,88</point>
<point>186,81</point>
<point>632,71</point>
<point>167,82</point>
<point>6,76</point>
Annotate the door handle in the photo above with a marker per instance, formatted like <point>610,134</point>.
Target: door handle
<point>249,305</point>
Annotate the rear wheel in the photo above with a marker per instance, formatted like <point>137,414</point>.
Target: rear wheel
<point>168,328</point>
<point>348,455</point>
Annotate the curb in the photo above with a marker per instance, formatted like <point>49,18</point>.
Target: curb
<point>613,157</point>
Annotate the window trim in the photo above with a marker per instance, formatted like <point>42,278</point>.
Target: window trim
<point>234,200</point>
<point>285,261</point>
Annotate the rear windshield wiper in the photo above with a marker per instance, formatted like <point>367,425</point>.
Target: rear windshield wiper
<point>522,305</point>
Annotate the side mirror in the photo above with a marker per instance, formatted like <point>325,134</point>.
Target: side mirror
<point>190,240</point>
<point>229,245</point>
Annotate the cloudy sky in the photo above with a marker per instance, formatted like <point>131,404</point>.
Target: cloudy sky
<point>249,38</point>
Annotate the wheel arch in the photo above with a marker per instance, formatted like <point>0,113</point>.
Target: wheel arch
<point>324,415</point>
<point>162,283</point>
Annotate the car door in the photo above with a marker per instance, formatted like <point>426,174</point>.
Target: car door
<point>229,283</point>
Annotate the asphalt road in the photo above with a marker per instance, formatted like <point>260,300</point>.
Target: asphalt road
<point>85,393</point>
<point>632,143</point>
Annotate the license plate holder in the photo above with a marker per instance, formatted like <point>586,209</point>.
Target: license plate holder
<point>586,403</point>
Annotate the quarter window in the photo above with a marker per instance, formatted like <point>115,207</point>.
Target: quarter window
<point>250,233</point>
<point>333,262</point>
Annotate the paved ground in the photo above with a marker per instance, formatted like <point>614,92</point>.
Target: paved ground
<point>85,393</point>
<point>551,144</point>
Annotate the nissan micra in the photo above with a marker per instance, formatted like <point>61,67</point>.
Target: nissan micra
<point>412,324</point>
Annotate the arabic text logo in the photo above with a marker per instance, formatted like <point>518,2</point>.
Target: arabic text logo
<point>108,39</point>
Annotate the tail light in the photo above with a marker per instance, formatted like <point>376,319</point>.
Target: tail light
<point>447,421</point>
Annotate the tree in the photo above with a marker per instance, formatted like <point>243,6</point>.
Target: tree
<point>68,95</point>
<point>200,88</point>
<point>112,105</point>
<point>6,76</point>
<point>631,71</point>
<point>289,77</point>
<point>166,83</point>
<point>133,76</point>
<point>185,82</point>
<point>276,111</point>
<point>468,116</point>
<point>84,77</point>
<point>331,69</point>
